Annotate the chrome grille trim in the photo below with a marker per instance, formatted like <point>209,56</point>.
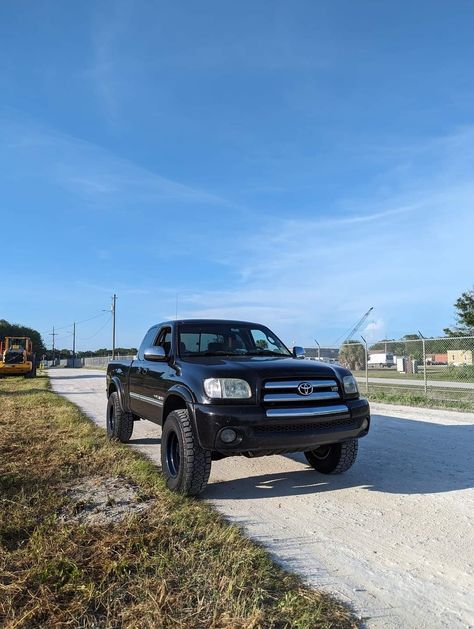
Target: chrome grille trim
<point>307,411</point>
<point>293,384</point>
<point>295,397</point>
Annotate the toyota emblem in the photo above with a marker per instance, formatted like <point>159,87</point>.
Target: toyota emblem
<point>305,388</point>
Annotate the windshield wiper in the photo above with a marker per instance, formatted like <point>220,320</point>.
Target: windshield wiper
<point>216,353</point>
<point>265,352</point>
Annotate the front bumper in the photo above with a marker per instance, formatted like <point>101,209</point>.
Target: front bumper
<point>15,369</point>
<point>259,433</point>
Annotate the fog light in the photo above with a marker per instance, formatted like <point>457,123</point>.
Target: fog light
<point>228,435</point>
<point>365,424</point>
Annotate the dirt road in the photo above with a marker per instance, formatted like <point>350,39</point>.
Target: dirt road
<point>393,536</point>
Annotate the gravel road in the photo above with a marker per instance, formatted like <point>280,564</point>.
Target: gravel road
<point>393,536</point>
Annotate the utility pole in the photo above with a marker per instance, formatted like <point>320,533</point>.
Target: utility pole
<point>53,334</point>
<point>74,344</point>
<point>114,307</point>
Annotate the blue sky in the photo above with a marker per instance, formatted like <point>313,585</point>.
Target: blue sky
<point>292,163</point>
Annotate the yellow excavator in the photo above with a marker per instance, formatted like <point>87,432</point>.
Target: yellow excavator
<point>17,357</point>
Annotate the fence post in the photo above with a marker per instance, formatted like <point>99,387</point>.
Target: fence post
<point>423,340</point>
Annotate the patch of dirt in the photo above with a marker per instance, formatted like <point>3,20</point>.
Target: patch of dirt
<point>97,501</point>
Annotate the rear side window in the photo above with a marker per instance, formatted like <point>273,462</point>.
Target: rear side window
<point>195,342</point>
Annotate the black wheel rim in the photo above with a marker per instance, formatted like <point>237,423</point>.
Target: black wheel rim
<point>322,452</point>
<point>173,454</point>
<point>111,418</point>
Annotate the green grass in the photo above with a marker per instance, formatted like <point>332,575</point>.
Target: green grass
<point>433,372</point>
<point>177,565</point>
<point>398,395</point>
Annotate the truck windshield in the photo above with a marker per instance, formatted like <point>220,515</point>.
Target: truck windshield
<point>227,339</point>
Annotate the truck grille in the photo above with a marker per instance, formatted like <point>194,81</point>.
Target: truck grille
<point>302,398</point>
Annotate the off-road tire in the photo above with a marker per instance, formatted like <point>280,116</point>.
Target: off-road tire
<point>186,466</point>
<point>32,373</point>
<point>335,458</point>
<point>119,423</point>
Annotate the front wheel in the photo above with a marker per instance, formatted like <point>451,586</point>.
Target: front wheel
<point>119,423</point>
<point>334,458</point>
<point>186,466</point>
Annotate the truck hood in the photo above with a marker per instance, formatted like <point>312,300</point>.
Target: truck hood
<point>262,367</point>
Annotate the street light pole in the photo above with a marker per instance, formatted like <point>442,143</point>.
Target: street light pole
<point>366,365</point>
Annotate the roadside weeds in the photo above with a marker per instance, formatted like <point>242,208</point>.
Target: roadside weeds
<point>171,562</point>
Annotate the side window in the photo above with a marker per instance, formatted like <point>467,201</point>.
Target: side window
<point>164,340</point>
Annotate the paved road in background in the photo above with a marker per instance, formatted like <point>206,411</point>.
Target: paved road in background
<point>443,384</point>
<point>393,536</point>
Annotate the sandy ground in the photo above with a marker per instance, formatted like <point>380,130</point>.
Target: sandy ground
<point>394,536</point>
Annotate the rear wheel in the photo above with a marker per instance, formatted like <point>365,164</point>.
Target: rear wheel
<point>186,466</point>
<point>334,458</point>
<point>32,373</point>
<point>119,423</point>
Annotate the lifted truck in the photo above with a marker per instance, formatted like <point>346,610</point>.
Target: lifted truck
<point>226,388</point>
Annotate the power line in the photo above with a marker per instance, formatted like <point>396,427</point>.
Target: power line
<point>86,338</point>
<point>70,325</point>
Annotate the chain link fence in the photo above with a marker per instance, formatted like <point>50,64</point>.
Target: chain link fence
<point>438,369</point>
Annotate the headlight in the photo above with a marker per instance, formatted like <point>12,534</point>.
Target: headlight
<point>350,385</point>
<point>232,388</point>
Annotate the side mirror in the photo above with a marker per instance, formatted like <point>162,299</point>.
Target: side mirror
<point>155,354</point>
<point>298,352</point>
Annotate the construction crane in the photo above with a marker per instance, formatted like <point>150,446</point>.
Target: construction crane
<point>357,326</point>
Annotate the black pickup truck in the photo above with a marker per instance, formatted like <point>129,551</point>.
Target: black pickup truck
<point>225,388</point>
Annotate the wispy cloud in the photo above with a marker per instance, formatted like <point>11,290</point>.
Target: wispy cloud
<point>92,172</point>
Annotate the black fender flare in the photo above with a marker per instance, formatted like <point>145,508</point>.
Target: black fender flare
<point>117,385</point>
<point>187,396</point>
<point>183,391</point>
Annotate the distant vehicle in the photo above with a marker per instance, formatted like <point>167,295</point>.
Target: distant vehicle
<point>381,360</point>
<point>226,388</point>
